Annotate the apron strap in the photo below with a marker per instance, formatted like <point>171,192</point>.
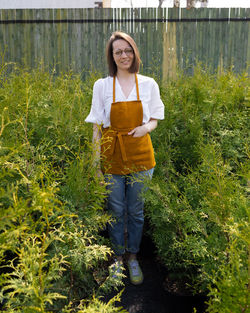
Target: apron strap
<point>137,88</point>
<point>114,89</point>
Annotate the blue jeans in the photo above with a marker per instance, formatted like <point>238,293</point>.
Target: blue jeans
<point>125,203</point>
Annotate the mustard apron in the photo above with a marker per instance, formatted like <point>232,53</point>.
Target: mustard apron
<point>122,153</point>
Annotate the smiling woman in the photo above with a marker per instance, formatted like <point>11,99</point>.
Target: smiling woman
<point>123,54</point>
<point>125,109</point>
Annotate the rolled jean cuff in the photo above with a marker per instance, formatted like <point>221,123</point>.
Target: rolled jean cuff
<point>117,251</point>
<point>132,251</point>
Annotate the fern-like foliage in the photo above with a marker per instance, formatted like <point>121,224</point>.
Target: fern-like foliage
<point>52,203</point>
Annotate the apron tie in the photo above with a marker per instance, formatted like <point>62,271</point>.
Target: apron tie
<point>118,134</point>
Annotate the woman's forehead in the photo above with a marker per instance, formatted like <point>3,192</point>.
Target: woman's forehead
<point>120,44</point>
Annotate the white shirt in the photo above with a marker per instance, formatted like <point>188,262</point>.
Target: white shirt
<point>102,99</point>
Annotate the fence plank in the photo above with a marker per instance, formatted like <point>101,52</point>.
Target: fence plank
<point>167,38</point>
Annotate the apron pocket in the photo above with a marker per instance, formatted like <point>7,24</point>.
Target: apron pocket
<point>138,149</point>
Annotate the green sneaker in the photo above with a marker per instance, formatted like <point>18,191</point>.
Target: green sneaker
<point>135,272</point>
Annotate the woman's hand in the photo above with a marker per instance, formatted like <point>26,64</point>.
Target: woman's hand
<point>139,131</point>
<point>142,130</point>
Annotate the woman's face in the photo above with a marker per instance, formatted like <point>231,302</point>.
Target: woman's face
<point>123,54</point>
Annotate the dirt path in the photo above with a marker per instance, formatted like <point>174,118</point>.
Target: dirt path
<point>151,297</point>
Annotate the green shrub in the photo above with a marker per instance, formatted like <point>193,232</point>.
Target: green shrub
<point>199,188</point>
<point>51,250</point>
<point>52,254</point>
<point>229,287</point>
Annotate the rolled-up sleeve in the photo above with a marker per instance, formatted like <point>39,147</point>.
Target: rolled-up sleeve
<point>156,107</point>
<point>96,114</point>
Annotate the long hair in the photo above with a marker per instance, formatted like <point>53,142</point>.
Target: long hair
<point>134,68</point>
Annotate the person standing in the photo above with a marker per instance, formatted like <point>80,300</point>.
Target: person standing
<point>125,109</point>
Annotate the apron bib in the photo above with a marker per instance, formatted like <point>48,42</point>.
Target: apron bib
<point>120,153</point>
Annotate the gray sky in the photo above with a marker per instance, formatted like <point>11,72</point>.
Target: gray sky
<point>169,3</point>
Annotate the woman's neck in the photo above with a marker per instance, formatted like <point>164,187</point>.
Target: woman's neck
<point>124,75</point>
<point>126,81</point>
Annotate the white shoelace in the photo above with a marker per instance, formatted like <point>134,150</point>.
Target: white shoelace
<point>134,267</point>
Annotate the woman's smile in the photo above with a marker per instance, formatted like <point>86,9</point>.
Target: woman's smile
<point>123,54</point>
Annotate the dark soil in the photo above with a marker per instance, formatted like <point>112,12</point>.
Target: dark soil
<point>152,296</point>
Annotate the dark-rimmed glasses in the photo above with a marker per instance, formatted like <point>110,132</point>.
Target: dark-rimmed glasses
<point>128,52</point>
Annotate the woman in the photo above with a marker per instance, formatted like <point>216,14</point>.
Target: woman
<point>125,109</point>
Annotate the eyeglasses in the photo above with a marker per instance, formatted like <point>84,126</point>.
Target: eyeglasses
<point>127,51</point>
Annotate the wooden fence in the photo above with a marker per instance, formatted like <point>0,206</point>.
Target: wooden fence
<point>167,38</point>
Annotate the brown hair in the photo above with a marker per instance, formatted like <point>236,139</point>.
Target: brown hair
<point>134,68</point>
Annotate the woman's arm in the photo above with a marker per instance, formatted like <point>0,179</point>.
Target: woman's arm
<point>96,140</point>
<point>144,129</point>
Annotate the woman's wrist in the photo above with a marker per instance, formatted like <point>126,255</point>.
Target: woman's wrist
<point>147,128</point>
<point>151,125</point>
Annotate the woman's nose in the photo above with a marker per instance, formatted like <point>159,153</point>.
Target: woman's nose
<point>123,52</point>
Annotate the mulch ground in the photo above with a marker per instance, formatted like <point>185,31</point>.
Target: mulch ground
<point>152,296</point>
